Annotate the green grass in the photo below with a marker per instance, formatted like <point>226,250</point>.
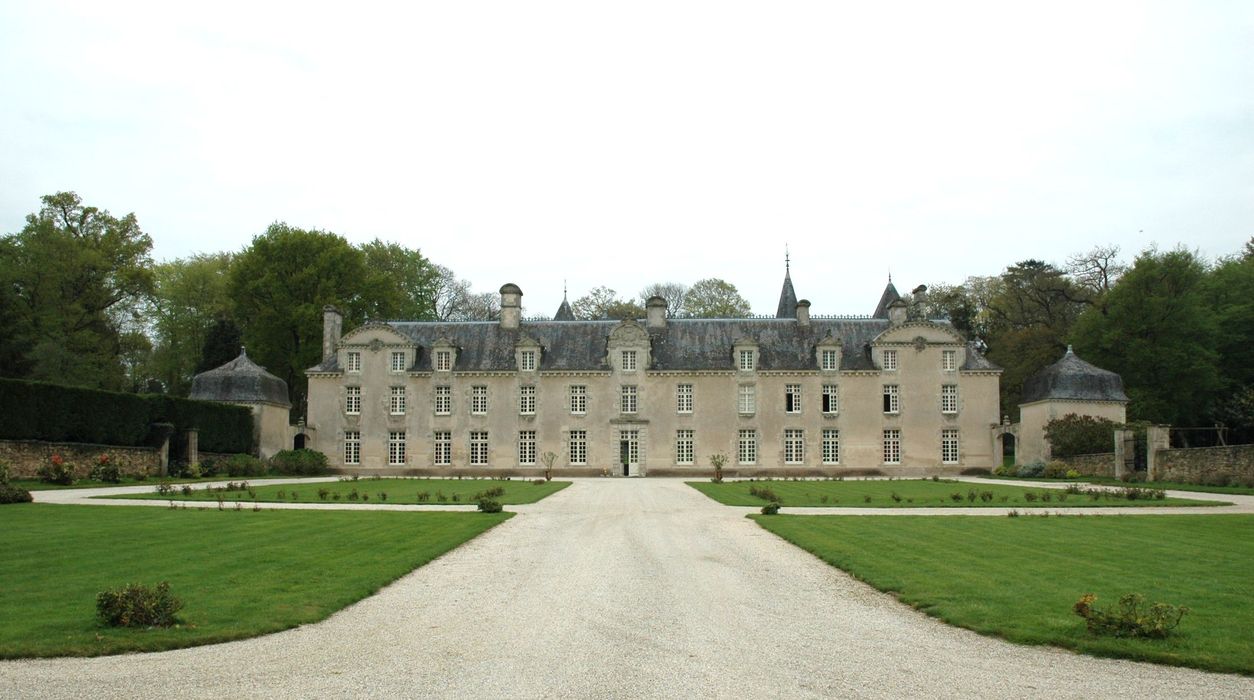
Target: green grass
<point>37,485</point>
<point>913,493</point>
<point>372,490</point>
<point>1017,578</point>
<point>239,573</point>
<point>1111,481</point>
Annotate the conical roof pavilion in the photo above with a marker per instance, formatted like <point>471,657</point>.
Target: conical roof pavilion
<point>240,381</point>
<point>1073,379</point>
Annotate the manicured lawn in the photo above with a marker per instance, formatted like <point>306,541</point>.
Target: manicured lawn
<point>1111,481</point>
<point>37,485</point>
<point>914,493</point>
<point>1017,578</point>
<point>239,573</point>
<point>374,490</point>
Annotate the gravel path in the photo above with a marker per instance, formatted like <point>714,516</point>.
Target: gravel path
<point>619,589</point>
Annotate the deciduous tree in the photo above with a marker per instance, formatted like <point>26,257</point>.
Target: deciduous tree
<point>715,298</point>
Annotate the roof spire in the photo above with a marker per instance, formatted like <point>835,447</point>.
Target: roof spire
<point>787,297</point>
<point>886,299</point>
<point>787,262</point>
<point>564,312</point>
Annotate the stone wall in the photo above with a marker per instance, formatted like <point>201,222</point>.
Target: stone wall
<point>25,457</point>
<point>1207,465</point>
<point>1099,464</point>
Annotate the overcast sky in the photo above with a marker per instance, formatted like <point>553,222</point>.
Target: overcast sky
<point>626,143</point>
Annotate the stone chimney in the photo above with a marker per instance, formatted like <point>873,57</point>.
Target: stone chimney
<point>332,325</point>
<point>897,312</point>
<point>803,312</point>
<point>655,307</point>
<point>511,306</point>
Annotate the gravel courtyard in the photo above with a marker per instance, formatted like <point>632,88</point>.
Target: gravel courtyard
<point>618,589</point>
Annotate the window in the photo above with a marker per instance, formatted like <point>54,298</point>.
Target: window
<point>683,447</point>
<point>747,400</point>
<point>526,447</point>
<point>443,400</point>
<point>890,360</point>
<point>443,448</point>
<point>352,447</point>
<point>794,446</point>
<point>578,399</point>
<point>579,447</point>
<point>831,446</point>
<point>892,399</point>
<point>527,360</point>
<point>892,446</point>
<point>829,360</point>
<point>627,399</point>
<point>746,361</point>
<point>352,400</point>
<point>949,398</point>
<point>831,399</point>
<point>629,361</point>
<point>478,447</point>
<point>478,400</point>
<point>632,438</point>
<point>353,361</point>
<point>949,446</point>
<point>527,400</point>
<point>443,360</point>
<point>396,447</point>
<point>396,406</point>
<point>398,361</point>
<point>747,447</point>
<point>949,360</point>
<point>792,398</point>
<point>683,398</point>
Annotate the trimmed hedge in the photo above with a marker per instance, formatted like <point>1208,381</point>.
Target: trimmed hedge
<point>55,413</point>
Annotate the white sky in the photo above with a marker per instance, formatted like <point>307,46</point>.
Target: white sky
<point>633,142</point>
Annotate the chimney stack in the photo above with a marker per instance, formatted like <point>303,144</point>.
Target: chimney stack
<point>655,307</point>
<point>897,312</point>
<point>511,306</point>
<point>803,312</point>
<point>332,325</point>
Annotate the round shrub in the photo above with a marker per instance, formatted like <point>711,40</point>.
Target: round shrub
<point>138,606</point>
<point>770,509</point>
<point>303,462</point>
<point>488,505</point>
<point>244,465</point>
<point>1055,469</point>
<point>13,494</point>
<point>1031,469</point>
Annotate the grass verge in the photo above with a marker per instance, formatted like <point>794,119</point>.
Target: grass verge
<point>239,573</point>
<point>37,485</point>
<point>393,490</point>
<point>1111,481</point>
<point>1017,578</point>
<point>918,493</point>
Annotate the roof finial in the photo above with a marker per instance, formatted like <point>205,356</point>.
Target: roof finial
<point>242,350</point>
<point>563,290</point>
<point>1069,351</point>
<point>890,275</point>
<point>787,261</point>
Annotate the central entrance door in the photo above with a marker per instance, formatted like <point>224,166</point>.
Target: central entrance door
<point>629,452</point>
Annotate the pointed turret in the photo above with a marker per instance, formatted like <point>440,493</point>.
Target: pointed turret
<point>886,300</point>
<point>564,312</point>
<point>787,297</point>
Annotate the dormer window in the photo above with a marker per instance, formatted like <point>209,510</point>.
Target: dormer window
<point>747,360</point>
<point>628,361</point>
<point>949,360</point>
<point>527,360</point>
<point>352,361</point>
<point>829,360</point>
<point>398,361</point>
<point>443,360</point>
<point>890,361</point>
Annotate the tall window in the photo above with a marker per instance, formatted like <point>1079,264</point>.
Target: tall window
<point>478,400</point>
<point>747,400</point>
<point>629,361</point>
<point>949,446</point>
<point>443,400</point>
<point>578,399</point>
<point>627,399</point>
<point>396,405</point>
<point>527,400</point>
<point>746,360</point>
<point>478,447</point>
<point>892,446</point>
<point>829,361</point>
<point>794,446</point>
<point>683,398</point>
<point>527,360</point>
<point>890,360</point>
<point>831,398</point>
<point>579,447</point>
<point>352,447</point>
<point>443,448</point>
<point>443,360</point>
<point>353,361</point>
<point>398,361</point>
<point>792,398</point>
<point>892,399</point>
<point>831,446</point>
<point>526,447</point>
<point>747,447</point>
<point>352,400</point>
<point>396,447</point>
<point>949,360</point>
<point>949,398</point>
<point>632,438</point>
<point>683,446</point>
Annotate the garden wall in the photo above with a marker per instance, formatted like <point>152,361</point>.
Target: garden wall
<point>1099,464</point>
<point>25,457</point>
<point>1207,465</point>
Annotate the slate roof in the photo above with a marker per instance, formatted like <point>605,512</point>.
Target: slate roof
<point>1073,379</point>
<point>240,381</point>
<point>683,345</point>
<point>886,299</point>
<point>787,298</point>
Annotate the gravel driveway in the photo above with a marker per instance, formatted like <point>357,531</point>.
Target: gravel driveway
<point>619,589</point>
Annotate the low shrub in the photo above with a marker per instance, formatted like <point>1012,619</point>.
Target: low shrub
<point>764,493</point>
<point>4,473</point>
<point>135,605</point>
<point>244,465</point>
<point>770,509</point>
<point>1073,474</point>
<point>56,471</point>
<point>106,472</point>
<point>975,471</point>
<point>303,462</point>
<point>1055,470</point>
<point>13,494</point>
<point>1031,469</point>
<point>487,505</point>
<point>490,494</point>
<point>1132,477</point>
<point>1131,618</point>
<point>1004,470</point>
<point>209,467</point>
<point>1029,496</point>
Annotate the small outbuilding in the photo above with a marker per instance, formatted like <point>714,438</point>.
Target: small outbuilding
<point>1068,386</point>
<point>243,382</point>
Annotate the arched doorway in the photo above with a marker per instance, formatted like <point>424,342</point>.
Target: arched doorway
<point>298,443</point>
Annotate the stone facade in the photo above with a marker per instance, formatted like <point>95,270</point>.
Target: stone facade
<point>1232,464</point>
<point>490,398</point>
<point>26,457</point>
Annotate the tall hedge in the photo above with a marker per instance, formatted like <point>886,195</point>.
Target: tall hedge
<point>55,413</point>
